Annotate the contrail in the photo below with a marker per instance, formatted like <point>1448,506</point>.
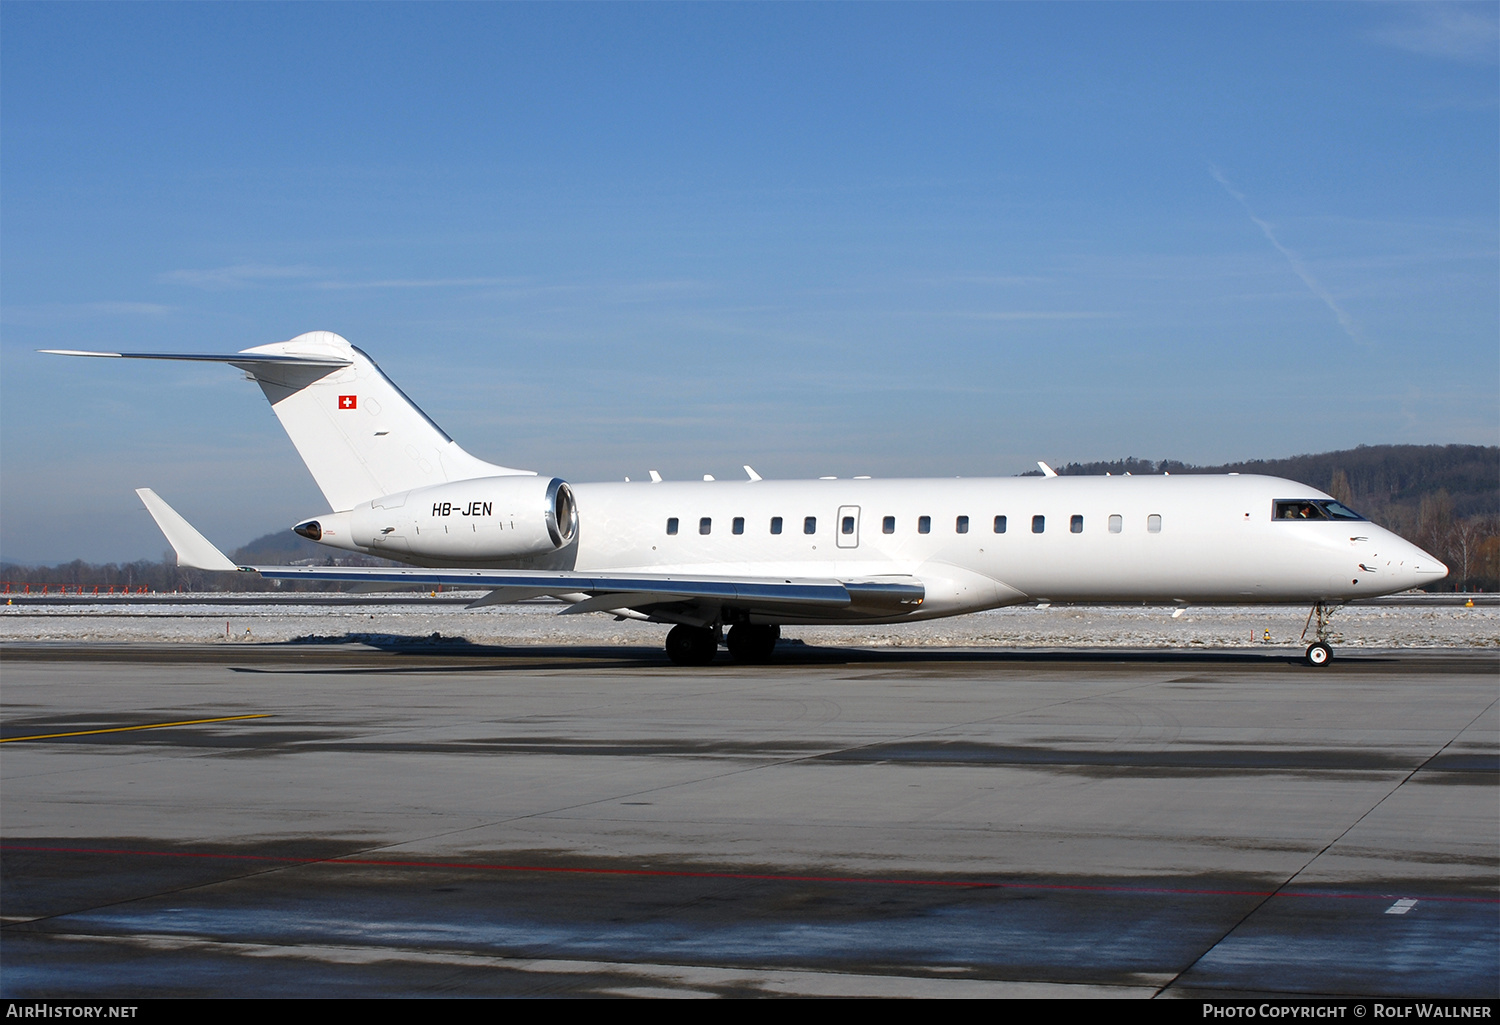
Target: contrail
<point>1298,267</point>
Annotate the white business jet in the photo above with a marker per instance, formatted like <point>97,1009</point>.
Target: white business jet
<point>755,555</point>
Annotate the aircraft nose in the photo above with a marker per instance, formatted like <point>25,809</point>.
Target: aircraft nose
<point>1431,569</point>
<point>1423,568</point>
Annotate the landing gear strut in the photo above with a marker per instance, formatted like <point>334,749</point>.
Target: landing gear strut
<point>692,645</point>
<point>752,643</point>
<point>1319,652</point>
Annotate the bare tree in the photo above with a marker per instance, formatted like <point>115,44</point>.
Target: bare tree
<point>1339,488</point>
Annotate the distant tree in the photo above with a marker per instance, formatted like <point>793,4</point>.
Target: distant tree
<point>1487,560</point>
<point>1435,522</point>
<point>1339,488</point>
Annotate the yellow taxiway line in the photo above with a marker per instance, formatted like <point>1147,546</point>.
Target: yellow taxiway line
<point>146,726</point>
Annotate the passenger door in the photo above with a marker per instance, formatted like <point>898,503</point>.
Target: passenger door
<point>847,526</point>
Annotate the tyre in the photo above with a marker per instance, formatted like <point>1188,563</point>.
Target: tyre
<point>1318,654</point>
<point>691,645</point>
<point>752,644</point>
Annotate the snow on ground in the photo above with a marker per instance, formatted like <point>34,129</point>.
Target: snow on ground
<point>1020,627</point>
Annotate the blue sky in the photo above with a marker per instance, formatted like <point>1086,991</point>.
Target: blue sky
<point>594,239</point>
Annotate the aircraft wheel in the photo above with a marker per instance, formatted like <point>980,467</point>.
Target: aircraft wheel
<point>1318,654</point>
<point>752,644</point>
<point>691,645</point>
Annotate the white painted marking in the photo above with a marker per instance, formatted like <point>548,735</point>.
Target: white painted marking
<point>1401,906</point>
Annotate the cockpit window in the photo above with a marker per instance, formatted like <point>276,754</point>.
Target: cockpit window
<point>1339,511</point>
<point>1313,509</point>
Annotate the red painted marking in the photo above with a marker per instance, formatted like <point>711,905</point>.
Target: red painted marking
<point>746,876</point>
<point>348,401</point>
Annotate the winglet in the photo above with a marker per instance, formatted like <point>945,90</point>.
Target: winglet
<point>751,474</point>
<point>193,549</point>
<point>1046,470</point>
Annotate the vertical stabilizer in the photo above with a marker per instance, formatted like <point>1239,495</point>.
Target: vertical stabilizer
<point>359,435</point>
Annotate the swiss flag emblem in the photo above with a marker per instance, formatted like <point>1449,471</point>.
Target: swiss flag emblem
<point>348,401</point>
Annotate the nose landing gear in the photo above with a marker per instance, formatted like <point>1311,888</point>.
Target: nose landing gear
<point>1319,652</point>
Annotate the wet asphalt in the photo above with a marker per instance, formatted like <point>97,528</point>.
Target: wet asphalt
<point>575,822</point>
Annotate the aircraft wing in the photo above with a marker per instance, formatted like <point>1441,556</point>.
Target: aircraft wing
<point>606,592</point>
<point>591,592</point>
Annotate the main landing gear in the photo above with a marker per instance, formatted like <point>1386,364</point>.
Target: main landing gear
<point>692,645</point>
<point>747,642</point>
<point>752,643</point>
<point>1319,652</point>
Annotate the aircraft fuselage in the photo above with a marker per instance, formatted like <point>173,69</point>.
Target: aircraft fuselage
<point>978,543</point>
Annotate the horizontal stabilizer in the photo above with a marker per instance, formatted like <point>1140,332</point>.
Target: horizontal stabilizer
<point>243,360</point>
<point>193,549</point>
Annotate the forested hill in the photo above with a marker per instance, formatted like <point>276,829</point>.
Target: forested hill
<point>1376,478</point>
<point>1446,498</point>
<point>279,548</point>
<point>287,548</point>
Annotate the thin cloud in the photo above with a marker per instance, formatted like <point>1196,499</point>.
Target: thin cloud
<point>1298,267</point>
<point>417,283</point>
<point>242,275</point>
<point>985,279</point>
<point>47,313</point>
<point>1005,314</point>
<point>1447,31</point>
<point>1032,315</point>
<point>124,309</point>
<point>524,288</point>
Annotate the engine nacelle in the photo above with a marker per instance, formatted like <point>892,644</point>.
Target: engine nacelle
<point>485,518</point>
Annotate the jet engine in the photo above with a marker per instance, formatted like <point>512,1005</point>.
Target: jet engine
<point>485,518</point>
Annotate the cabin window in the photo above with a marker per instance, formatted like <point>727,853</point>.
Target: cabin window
<point>924,524</point>
<point>999,524</point>
<point>1153,524</point>
<point>705,525</point>
<point>809,525</point>
<point>961,525</point>
<point>1038,524</point>
<point>1116,523</point>
<point>888,525</point>
<point>847,526</point>
<point>776,524</point>
<point>1076,524</point>
<point>739,525</point>
<point>672,525</point>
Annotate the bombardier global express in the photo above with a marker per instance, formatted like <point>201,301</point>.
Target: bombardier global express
<point>732,562</point>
